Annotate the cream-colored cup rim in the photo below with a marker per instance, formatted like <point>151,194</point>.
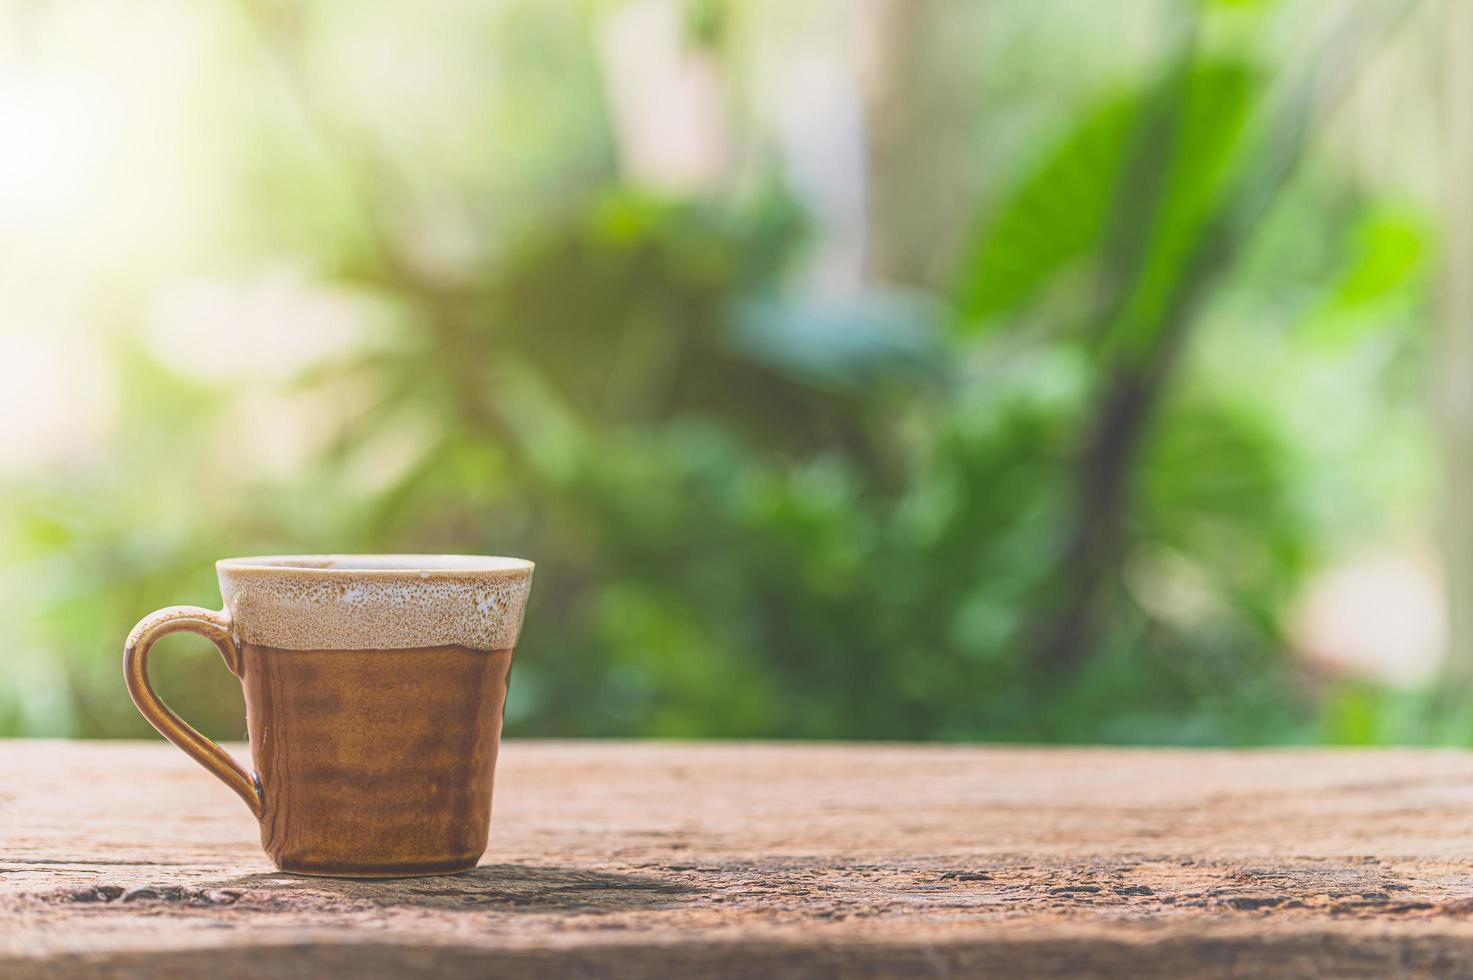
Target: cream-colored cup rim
<point>386,566</point>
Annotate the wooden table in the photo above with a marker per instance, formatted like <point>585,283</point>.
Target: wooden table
<point>640,859</point>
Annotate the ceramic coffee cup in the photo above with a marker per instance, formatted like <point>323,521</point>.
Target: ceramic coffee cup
<point>374,688</point>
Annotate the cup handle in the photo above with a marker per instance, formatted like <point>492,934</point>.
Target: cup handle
<point>215,627</point>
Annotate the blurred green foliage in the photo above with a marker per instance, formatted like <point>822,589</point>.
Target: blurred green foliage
<point>1060,495</point>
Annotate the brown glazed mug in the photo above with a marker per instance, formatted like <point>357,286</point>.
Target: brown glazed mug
<point>374,687</point>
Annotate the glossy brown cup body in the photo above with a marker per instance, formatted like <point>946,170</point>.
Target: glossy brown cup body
<point>374,689</point>
<point>378,762</point>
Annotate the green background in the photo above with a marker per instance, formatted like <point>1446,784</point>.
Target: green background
<point>1139,349</point>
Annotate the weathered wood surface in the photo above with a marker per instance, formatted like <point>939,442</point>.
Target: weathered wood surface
<point>633,859</point>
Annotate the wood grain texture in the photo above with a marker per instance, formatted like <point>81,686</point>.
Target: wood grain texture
<point>631,859</point>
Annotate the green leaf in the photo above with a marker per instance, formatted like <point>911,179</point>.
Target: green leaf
<point>1390,248</point>
<point>1052,220</point>
<point>1057,218</point>
<point>1388,256</point>
<point>1204,149</point>
<point>1217,483</point>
